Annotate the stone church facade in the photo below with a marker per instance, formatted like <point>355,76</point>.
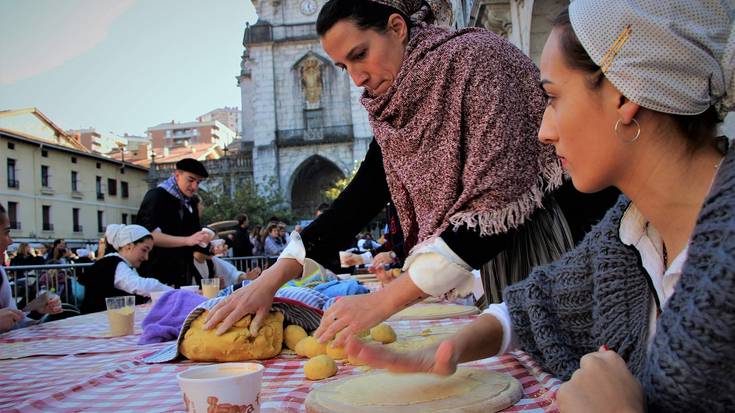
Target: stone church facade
<point>303,115</point>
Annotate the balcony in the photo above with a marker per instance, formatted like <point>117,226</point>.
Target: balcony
<point>77,195</point>
<point>15,225</point>
<point>78,229</point>
<point>13,183</point>
<point>263,32</point>
<point>47,227</point>
<point>46,190</point>
<point>300,137</point>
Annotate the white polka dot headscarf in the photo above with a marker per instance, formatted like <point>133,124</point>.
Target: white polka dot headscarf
<point>673,56</point>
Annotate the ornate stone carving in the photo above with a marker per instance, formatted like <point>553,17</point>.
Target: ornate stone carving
<point>496,18</point>
<point>311,81</point>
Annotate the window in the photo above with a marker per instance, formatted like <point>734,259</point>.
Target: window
<point>44,153</point>
<point>75,220</point>
<point>74,181</point>
<point>46,218</point>
<point>13,215</point>
<point>100,221</point>
<point>73,159</point>
<point>125,219</point>
<point>44,176</point>
<point>112,187</point>
<point>124,189</point>
<point>11,145</point>
<point>99,165</point>
<point>133,219</point>
<point>12,181</point>
<point>98,183</point>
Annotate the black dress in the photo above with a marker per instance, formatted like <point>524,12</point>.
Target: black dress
<point>99,283</point>
<point>160,209</point>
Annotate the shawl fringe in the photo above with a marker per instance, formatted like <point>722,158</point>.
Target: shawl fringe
<point>516,213</point>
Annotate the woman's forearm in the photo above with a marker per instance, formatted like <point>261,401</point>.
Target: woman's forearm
<point>399,294</point>
<point>478,340</point>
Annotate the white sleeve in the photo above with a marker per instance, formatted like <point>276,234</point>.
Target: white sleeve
<point>227,270</point>
<point>6,296</point>
<point>367,258</point>
<point>295,249</point>
<point>437,270</point>
<point>510,340</point>
<point>128,280</point>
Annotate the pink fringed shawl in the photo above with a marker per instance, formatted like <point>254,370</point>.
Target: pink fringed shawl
<point>458,132</point>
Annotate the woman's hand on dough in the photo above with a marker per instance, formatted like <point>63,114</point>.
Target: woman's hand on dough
<point>440,360</point>
<point>350,315</point>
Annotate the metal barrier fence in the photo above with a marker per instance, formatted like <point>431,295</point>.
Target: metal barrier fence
<point>28,281</point>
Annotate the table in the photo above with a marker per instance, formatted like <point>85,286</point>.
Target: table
<point>72,365</point>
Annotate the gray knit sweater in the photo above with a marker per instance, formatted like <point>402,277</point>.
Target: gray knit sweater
<point>598,294</point>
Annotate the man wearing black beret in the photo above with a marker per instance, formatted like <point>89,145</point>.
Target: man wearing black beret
<point>170,213</point>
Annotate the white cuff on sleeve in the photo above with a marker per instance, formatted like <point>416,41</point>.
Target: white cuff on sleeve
<point>295,249</point>
<point>510,340</point>
<point>367,258</point>
<point>436,270</point>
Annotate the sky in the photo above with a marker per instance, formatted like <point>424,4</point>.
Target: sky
<point>121,66</point>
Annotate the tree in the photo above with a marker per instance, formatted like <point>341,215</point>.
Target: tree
<point>259,203</point>
<point>340,184</point>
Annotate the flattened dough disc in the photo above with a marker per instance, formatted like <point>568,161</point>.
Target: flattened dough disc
<point>434,312</point>
<point>469,390</point>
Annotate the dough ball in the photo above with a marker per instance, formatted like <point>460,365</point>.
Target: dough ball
<point>336,353</point>
<point>292,335</point>
<point>309,347</point>
<point>363,333</point>
<point>320,367</point>
<point>299,347</point>
<point>355,361</point>
<point>383,333</point>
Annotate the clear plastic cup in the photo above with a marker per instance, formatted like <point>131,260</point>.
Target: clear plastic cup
<point>121,315</point>
<point>210,287</point>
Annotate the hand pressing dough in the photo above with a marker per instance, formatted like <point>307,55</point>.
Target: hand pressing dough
<point>236,344</point>
<point>320,367</point>
<point>309,347</point>
<point>336,353</point>
<point>383,333</point>
<point>467,391</point>
<point>292,335</point>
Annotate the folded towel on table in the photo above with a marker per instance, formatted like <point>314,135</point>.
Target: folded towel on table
<point>165,319</point>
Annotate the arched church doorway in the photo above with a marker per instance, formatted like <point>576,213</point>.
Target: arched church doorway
<point>315,175</point>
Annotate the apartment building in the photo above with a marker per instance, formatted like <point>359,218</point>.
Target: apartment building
<point>54,187</point>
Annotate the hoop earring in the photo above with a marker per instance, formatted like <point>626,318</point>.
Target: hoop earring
<point>637,132</point>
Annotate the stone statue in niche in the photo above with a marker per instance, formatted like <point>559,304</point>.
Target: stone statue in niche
<point>311,82</point>
<point>496,18</point>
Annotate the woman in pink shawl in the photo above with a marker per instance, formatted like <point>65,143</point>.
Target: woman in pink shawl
<point>455,116</point>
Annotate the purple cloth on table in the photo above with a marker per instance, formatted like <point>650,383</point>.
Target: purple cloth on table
<point>165,319</point>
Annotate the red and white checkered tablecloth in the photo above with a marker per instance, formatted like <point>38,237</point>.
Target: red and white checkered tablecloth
<point>118,380</point>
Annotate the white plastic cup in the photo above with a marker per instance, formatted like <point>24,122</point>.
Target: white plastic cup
<point>155,295</point>
<point>222,387</point>
<point>211,236</point>
<point>343,255</point>
<point>192,288</point>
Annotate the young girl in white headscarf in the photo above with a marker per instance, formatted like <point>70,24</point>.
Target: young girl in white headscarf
<point>115,274</point>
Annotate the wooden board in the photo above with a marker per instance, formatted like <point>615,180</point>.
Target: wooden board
<point>434,312</point>
<point>467,391</point>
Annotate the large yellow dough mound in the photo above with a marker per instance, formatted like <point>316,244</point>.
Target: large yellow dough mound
<point>320,367</point>
<point>236,344</point>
